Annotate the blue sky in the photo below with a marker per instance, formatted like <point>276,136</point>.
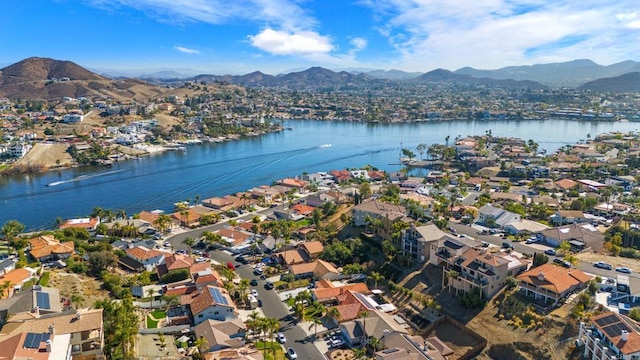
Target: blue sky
<point>274,36</point>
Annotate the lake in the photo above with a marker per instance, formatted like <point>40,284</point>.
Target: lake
<point>214,169</point>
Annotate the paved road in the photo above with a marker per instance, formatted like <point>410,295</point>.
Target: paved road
<point>521,247</point>
<point>273,307</point>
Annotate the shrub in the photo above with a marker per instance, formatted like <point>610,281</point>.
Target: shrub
<point>44,279</point>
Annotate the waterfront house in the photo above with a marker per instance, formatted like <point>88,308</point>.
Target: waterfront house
<point>84,325</point>
<point>609,336</point>
<point>46,247</point>
<point>89,224</point>
<point>548,283</point>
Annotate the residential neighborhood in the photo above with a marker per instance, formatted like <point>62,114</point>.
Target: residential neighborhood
<point>348,264</point>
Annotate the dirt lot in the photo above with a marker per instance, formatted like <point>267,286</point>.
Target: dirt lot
<point>47,154</point>
<point>70,284</point>
<point>616,261</point>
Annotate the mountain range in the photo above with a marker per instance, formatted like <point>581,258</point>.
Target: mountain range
<point>48,79</point>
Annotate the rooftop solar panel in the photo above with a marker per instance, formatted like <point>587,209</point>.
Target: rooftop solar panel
<point>32,340</point>
<point>42,300</point>
<point>218,297</point>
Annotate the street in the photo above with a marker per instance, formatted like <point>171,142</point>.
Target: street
<point>523,248</point>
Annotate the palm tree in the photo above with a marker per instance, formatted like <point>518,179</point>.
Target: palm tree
<point>4,288</point>
<point>169,301</point>
<point>571,259</point>
<point>243,286</point>
<point>202,344</point>
<point>450,275</point>
<point>77,299</point>
<point>363,315</point>
<point>150,293</point>
<point>314,324</point>
<point>332,314</point>
<point>298,311</point>
<point>376,277</point>
<point>374,343</point>
<point>163,222</point>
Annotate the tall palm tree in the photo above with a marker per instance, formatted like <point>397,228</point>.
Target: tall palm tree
<point>314,324</point>
<point>150,293</point>
<point>363,315</point>
<point>243,286</point>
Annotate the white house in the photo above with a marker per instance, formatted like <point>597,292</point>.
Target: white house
<point>212,303</point>
<point>148,258</point>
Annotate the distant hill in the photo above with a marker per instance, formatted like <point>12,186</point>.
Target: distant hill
<point>443,76</point>
<point>566,74</point>
<point>624,83</point>
<point>33,78</point>
<point>393,74</point>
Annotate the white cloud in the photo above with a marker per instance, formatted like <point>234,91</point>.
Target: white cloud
<point>186,50</point>
<point>280,42</point>
<point>358,43</point>
<point>495,33</point>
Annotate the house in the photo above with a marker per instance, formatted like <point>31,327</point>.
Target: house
<point>311,249</point>
<point>7,265</point>
<point>566,184</point>
<point>289,257</point>
<point>482,271</point>
<point>326,292</point>
<point>36,346</point>
<point>211,303</point>
<point>38,300</point>
<point>625,182</point>
<point>46,247</point>
<point>609,336</point>
<point>89,224</point>
<point>580,236</point>
<point>174,262</point>
<point>148,258</point>
<point>303,210</point>
<point>379,215</point>
<point>357,332</point>
<point>188,217</point>
<point>548,283</point>
<point>293,183</point>
<point>317,269</point>
<point>235,236</point>
<point>525,226</point>
<point>492,216</point>
<point>564,217</point>
<point>221,334</point>
<point>402,346</point>
<point>416,241</point>
<point>84,325</point>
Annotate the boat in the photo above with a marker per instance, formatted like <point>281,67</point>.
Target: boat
<point>326,145</point>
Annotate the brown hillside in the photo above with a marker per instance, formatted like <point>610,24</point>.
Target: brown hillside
<point>38,69</point>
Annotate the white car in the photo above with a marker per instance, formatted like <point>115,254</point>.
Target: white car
<point>281,338</point>
<point>292,354</point>
<point>254,292</point>
<point>201,259</point>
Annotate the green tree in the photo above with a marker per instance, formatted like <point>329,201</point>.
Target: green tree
<point>375,276</point>
<point>11,229</point>
<point>539,259</point>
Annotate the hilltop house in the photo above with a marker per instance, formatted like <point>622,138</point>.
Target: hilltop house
<point>610,336</point>
<point>549,283</point>
<point>149,259</point>
<point>378,215</point>
<point>46,247</point>
<point>416,241</point>
<point>212,303</point>
<point>492,216</point>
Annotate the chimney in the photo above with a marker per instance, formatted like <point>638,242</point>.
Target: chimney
<point>78,315</point>
<point>48,346</point>
<point>52,329</point>
<point>36,310</point>
<point>541,276</point>
<point>625,335</point>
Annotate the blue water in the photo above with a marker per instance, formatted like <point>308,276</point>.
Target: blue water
<point>158,181</point>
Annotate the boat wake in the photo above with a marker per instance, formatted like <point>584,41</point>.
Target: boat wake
<point>83,177</point>
<point>326,145</point>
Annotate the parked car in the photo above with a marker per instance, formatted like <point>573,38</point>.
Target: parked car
<point>281,338</point>
<point>562,262</point>
<point>532,240</point>
<point>269,285</point>
<point>602,265</point>
<point>507,245</point>
<point>259,302</point>
<point>230,266</point>
<point>623,269</point>
<point>551,252</point>
<point>167,244</point>
<point>254,292</point>
<point>292,354</point>
<point>253,282</point>
<point>257,271</point>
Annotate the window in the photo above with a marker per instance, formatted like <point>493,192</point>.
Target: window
<point>200,316</point>
<point>75,348</point>
<point>216,313</point>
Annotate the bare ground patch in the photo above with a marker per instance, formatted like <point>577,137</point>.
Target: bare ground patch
<point>74,284</point>
<point>47,155</point>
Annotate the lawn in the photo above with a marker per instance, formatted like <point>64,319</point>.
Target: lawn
<point>271,347</point>
<point>154,318</point>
